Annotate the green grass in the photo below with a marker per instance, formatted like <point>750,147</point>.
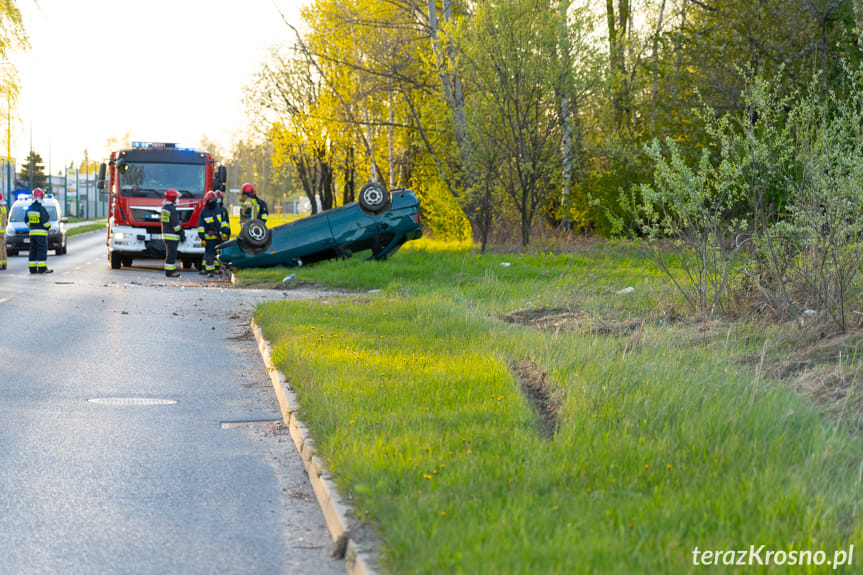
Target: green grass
<point>85,228</point>
<point>665,440</point>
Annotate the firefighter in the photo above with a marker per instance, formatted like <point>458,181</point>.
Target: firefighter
<point>252,207</point>
<point>224,224</point>
<point>4,216</point>
<point>39,222</point>
<point>209,230</point>
<point>172,232</point>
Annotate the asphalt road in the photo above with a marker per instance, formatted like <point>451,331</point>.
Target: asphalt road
<point>136,427</point>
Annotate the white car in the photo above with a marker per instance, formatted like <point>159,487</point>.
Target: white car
<point>18,232</point>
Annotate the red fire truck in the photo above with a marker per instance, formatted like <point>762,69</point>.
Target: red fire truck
<point>137,178</point>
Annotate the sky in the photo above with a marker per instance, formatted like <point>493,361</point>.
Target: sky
<point>163,70</point>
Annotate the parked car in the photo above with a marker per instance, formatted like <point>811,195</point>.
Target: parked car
<point>18,232</point>
<point>379,221</point>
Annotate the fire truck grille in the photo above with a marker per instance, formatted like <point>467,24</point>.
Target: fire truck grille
<point>144,215</point>
<point>150,215</point>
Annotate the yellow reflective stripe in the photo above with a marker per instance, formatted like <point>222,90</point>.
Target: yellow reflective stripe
<point>38,232</point>
<point>174,237</point>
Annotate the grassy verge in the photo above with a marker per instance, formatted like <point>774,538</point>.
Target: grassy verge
<point>85,228</point>
<point>517,414</point>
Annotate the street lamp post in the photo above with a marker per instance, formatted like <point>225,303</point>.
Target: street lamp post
<point>8,147</point>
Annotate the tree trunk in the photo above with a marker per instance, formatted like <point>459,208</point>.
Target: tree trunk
<point>452,88</point>
<point>617,32</point>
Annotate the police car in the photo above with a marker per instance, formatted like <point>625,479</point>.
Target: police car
<point>18,232</point>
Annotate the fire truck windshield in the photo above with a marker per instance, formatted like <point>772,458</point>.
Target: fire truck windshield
<point>150,180</point>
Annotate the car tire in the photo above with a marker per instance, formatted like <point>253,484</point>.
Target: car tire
<point>374,198</point>
<point>254,237</point>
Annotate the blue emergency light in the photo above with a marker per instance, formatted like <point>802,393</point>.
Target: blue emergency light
<point>160,146</point>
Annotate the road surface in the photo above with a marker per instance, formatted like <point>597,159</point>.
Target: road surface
<point>137,428</point>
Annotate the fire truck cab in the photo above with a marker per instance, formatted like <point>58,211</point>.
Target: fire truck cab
<point>137,179</point>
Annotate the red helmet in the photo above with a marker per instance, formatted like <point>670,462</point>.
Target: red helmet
<point>211,195</point>
<point>248,189</point>
<point>217,192</point>
<point>38,193</point>
<point>171,195</point>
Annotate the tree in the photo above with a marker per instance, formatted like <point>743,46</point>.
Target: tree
<point>32,165</point>
<point>286,95</point>
<point>512,54</point>
<point>13,37</point>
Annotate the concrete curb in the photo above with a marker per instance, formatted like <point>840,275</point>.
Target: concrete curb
<point>335,512</point>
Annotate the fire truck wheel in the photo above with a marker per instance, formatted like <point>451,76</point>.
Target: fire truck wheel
<point>374,199</point>
<point>115,260</point>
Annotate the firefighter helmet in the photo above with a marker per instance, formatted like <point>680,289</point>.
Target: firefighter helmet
<point>248,189</point>
<point>171,195</point>
<point>211,195</point>
<point>38,193</point>
<point>218,194</point>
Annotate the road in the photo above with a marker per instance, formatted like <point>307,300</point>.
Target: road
<point>136,428</point>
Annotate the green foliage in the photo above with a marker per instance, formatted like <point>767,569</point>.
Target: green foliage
<point>818,247</point>
<point>441,213</point>
<point>782,187</point>
<point>524,109</point>
<point>694,207</point>
<point>33,165</point>
<point>513,57</point>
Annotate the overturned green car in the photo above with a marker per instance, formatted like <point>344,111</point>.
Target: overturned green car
<point>379,221</point>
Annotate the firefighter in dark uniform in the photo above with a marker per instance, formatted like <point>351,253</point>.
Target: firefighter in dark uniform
<point>224,224</point>
<point>172,232</point>
<point>39,221</point>
<point>209,230</point>
<point>253,207</point>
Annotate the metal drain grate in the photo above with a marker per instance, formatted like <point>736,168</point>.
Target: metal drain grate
<point>131,401</point>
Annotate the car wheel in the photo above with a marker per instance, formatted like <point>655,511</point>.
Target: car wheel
<point>12,253</point>
<point>374,198</point>
<point>255,236</point>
